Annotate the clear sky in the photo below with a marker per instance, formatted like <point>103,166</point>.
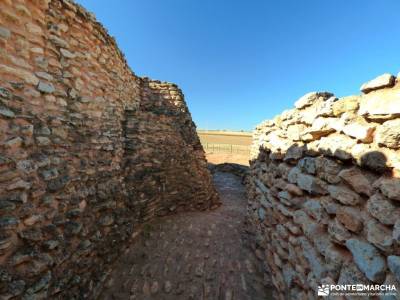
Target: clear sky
<point>239,62</point>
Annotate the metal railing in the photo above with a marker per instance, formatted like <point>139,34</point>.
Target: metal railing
<point>226,148</point>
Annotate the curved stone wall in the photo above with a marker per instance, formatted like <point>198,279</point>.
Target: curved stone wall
<point>324,191</point>
<point>88,151</point>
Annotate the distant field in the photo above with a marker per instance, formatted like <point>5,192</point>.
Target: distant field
<point>226,146</point>
<point>225,137</point>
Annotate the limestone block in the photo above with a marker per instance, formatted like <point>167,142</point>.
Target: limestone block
<point>388,134</point>
<point>346,104</point>
<point>360,130</point>
<point>383,104</point>
<point>380,82</point>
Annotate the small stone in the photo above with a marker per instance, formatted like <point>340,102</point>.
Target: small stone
<point>308,165</point>
<point>380,82</point>
<point>311,184</point>
<point>32,220</point>
<point>320,127</point>
<point>379,235</point>
<point>32,234</point>
<point>344,195</point>
<point>72,228</point>
<point>5,241</point>
<point>26,166</point>
<point>6,112</point>
<point>34,29</point>
<point>85,244</point>
<point>383,210</point>
<point>330,205</point>
<point>314,259</point>
<point>360,130</point>
<point>390,187</point>
<point>315,210</point>
<point>167,287</point>
<point>43,141</point>
<point>294,174</point>
<point>396,231</point>
<point>106,221</point>
<point>338,232</point>
<point>199,270</point>
<point>18,185</point>
<point>41,284</point>
<point>337,145</point>
<point>66,53</point>
<point>51,244</point>
<point>54,185</point>
<point>350,274</point>
<point>14,142</point>
<point>44,75</point>
<point>394,265</point>
<point>368,259</point>
<point>16,287</point>
<point>4,32</point>
<point>49,174</point>
<point>15,197</point>
<point>293,154</point>
<point>58,41</point>
<point>351,218</point>
<point>357,180</point>
<point>309,226</point>
<point>7,205</point>
<point>4,93</point>
<point>154,287</point>
<point>346,104</point>
<point>146,289</point>
<point>46,88</point>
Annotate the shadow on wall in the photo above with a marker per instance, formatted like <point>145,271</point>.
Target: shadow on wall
<point>324,217</point>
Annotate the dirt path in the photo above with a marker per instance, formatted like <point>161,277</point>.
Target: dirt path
<point>197,255</point>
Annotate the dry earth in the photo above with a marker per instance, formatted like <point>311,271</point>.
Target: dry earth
<point>196,255</point>
<point>220,158</point>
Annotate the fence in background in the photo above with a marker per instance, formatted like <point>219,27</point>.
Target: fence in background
<point>226,148</point>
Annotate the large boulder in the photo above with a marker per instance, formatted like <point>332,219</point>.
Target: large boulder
<point>383,104</point>
<point>380,82</point>
<point>388,134</point>
<point>368,259</point>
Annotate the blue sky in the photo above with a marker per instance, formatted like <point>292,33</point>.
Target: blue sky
<point>241,62</point>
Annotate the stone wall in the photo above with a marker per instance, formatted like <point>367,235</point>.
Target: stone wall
<point>88,151</point>
<point>324,191</point>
